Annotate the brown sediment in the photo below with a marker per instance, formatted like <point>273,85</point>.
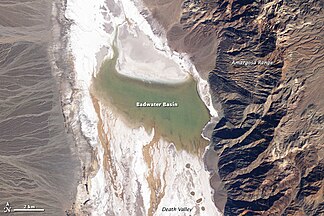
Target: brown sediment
<point>199,200</point>
<point>108,163</point>
<point>157,192</point>
<point>155,183</point>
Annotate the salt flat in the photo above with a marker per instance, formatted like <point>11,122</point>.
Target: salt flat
<point>130,161</point>
<point>139,59</point>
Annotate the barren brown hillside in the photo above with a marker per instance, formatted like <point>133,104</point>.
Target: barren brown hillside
<point>264,62</point>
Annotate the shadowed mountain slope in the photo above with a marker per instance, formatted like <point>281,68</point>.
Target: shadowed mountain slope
<point>264,63</point>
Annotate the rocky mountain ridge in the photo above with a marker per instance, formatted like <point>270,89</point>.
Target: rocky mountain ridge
<point>264,63</point>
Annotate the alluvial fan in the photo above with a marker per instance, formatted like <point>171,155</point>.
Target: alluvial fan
<point>36,160</point>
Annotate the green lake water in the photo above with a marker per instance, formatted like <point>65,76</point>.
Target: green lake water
<point>182,124</point>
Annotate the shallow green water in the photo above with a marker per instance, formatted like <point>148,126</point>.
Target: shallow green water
<point>182,124</point>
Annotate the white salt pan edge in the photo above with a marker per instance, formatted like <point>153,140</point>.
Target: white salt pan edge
<point>139,59</point>
<point>86,38</point>
<point>167,164</point>
<point>132,12</point>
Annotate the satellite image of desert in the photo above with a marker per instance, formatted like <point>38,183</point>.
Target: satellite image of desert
<point>162,107</point>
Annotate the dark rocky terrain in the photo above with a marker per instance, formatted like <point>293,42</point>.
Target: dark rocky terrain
<point>264,62</point>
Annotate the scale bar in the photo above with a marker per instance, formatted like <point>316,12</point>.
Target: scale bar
<point>29,210</point>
